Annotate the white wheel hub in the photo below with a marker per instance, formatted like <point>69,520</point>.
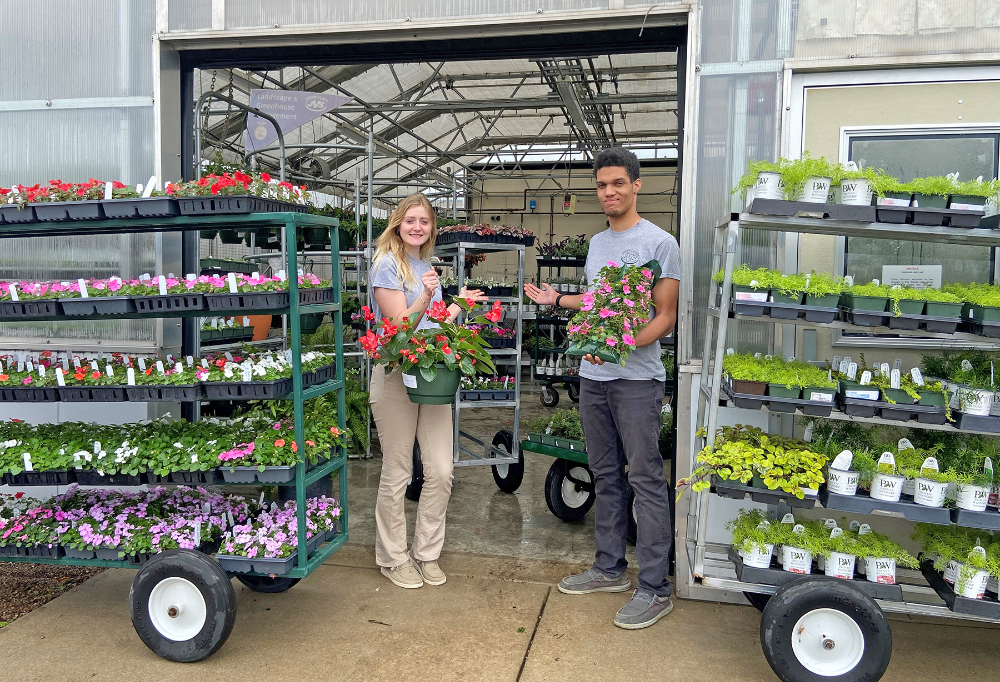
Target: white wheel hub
<point>571,496</point>
<point>828,642</point>
<point>503,469</point>
<point>177,609</point>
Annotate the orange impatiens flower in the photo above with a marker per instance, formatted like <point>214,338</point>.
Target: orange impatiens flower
<point>280,443</point>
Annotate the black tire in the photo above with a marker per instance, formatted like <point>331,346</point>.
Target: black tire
<point>508,477</point>
<point>789,639</point>
<point>757,600</point>
<point>416,483</point>
<point>550,397</point>
<point>267,584</point>
<point>632,527</point>
<point>565,485</point>
<point>185,570</point>
<point>573,389</point>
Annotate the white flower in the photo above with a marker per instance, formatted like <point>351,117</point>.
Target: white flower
<point>178,445</point>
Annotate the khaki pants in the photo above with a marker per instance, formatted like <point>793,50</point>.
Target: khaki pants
<point>399,421</point>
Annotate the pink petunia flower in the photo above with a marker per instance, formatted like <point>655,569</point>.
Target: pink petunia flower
<point>612,264</point>
<point>606,313</point>
<point>628,339</point>
<point>611,341</point>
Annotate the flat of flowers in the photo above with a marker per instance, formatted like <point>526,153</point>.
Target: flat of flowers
<point>237,203</point>
<point>170,302</point>
<point>241,564</point>
<point>270,474</point>
<point>13,213</point>
<point>261,300</point>
<point>737,491</point>
<point>33,478</point>
<point>779,207</point>
<point>68,210</point>
<point>973,422</point>
<point>778,577</point>
<point>92,394</point>
<point>94,477</point>
<point>45,307</point>
<point>247,390</point>
<point>985,520</point>
<point>987,608</point>
<point>104,305</point>
<point>156,394</point>
<point>862,503</point>
<point>25,394</point>
<point>147,207</point>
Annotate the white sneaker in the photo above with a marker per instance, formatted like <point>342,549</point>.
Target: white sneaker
<point>430,572</point>
<point>405,576</point>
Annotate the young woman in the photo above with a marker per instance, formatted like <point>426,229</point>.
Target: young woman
<point>403,283</point>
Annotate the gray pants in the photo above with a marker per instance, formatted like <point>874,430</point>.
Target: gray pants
<point>628,411</point>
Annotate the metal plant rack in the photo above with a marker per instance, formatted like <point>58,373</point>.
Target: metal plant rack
<point>306,561</point>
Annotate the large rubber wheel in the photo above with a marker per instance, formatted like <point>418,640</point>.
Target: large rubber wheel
<point>550,397</point>
<point>267,584</point>
<point>632,525</point>
<point>183,605</point>
<point>508,477</point>
<point>757,600</point>
<point>569,490</point>
<point>825,630</point>
<point>416,483</point>
<point>573,390</point>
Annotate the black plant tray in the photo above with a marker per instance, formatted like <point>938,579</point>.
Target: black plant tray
<point>811,313</point>
<point>986,520</point>
<point>242,564</point>
<point>866,318</point>
<point>777,577</point>
<point>864,504</point>
<point>856,407</point>
<point>486,396</point>
<point>26,309</point>
<point>237,203</point>
<point>319,375</point>
<point>812,408</point>
<point>195,477</point>
<point>262,300</point>
<point>158,394</point>
<point>68,210</point>
<point>92,394</point>
<point>72,553</point>
<point>33,478</point>
<point>148,207</point>
<point>102,305</point>
<point>974,422</point>
<point>92,477</point>
<point>44,551</point>
<point>928,216</point>
<point>13,550</point>
<point>12,213</point>
<point>738,491</point>
<point>271,474</point>
<point>159,304</point>
<point>502,343</point>
<point>938,325</point>
<point>750,308</point>
<point>863,214</point>
<point>315,295</point>
<point>24,394</point>
<point>248,390</point>
<point>988,329</point>
<point>987,608</point>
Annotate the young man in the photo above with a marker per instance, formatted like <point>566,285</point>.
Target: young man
<point>622,405</point>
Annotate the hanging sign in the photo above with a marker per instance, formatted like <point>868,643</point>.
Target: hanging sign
<point>291,108</point>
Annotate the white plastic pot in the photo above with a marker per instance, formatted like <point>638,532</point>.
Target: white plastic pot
<point>757,557</point>
<point>881,570</point>
<point>815,191</point>
<point>769,186</point>
<point>855,192</point>
<point>973,497</point>
<point>951,572</point>
<point>930,493</point>
<point>796,560</point>
<point>971,582</point>
<point>887,487</point>
<point>842,482</point>
<point>975,401</point>
<point>840,565</point>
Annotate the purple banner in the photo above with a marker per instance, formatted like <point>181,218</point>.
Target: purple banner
<point>292,109</point>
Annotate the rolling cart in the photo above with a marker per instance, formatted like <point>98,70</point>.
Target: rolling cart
<point>550,397</point>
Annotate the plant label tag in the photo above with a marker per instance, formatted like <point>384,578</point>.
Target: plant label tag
<point>246,321</point>
<point>206,508</point>
<point>820,397</point>
<point>214,323</point>
<point>842,365</point>
<point>159,367</point>
<point>798,529</point>
<point>232,283</point>
<point>894,379</point>
<point>20,365</point>
<point>229,356</point>
<point>849,280</point>
<point>918,378</point>
<point>409,380</point>
<point>966,366</point>
<point>13,292</point>
<point>988,468</point>
<point>229,514</point>
<point>144,276</point>
<point>836,532</point>
<point>788,518</point>
<point>807,435</point>
<point>842,462</point>
<point>887,458</point>
<point>852,370</point>
<point>190,277</point>
<point>130,376</point>
<point>223,523</point>
<point>29,367</point>
<point>729,351</point>
<point>829,523</point>
<point>866,378</point>
<point>301,272</point>
<point>756,356</point>
<point>929,463</point>
<point>876,282</point>
<point>162,283</point>
<point>274,507</point>
<point>864,529</point>
<point>260,503</point>
<point>178,368</point>
<point>904,444</point>
<point>97,447</point>
<point>197,533</point>
<point>897,364</point>
<point>109,191</point>
<point>204,363</point>
<point>150,186</point>
<point>93,366</point>
<point>41,371</point>
<point>884,369</point>
<point>27,461</point>
<point>83,288</point>
<point>60,380</point>
<point>76,362</point>
<point>247,374</point>
<point>855,525</point>
<point>768,357</point>
<point>281,275</point>
<point>110,370</point>
<point>190,361</point>
<point>142,364</point>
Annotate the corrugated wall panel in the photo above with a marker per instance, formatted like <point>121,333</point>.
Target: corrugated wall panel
<point>189,15</point>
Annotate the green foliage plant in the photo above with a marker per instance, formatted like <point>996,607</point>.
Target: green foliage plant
<point>751,531</point>
<point>937,185</point>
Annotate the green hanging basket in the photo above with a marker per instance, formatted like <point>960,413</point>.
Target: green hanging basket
<point>439,391</point>
<point>308,324</point>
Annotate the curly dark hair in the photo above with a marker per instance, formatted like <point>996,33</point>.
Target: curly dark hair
<point>620,157</point>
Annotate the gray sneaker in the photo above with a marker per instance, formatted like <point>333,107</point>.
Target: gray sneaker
<point>642,610</point>
<point>593,580</point>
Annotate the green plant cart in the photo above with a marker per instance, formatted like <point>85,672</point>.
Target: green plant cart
<point>569,485</point>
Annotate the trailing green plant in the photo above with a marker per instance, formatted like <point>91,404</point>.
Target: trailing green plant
<point>987,189</point>
<point>749,177</point>
<point>745,367</point>
<point>871,290</point>
<point>794,173</point>
<point>563,423</point>
<point>944,544</point>
<point>746,277</point>
<point>823,284</point>
<point>873,545</point>
<point>937,185</point>
<point>751,531</point>
<point>987,295</point>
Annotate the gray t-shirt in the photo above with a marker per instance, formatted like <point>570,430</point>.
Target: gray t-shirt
<point>385,275</point>
<point>639,244</point>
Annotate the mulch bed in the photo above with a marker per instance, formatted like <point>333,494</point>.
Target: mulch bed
<point>25,587</point>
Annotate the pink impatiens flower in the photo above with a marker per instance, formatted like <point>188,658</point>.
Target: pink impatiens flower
<point>647,274</point>
<point>614,264</point>
<point>629,303</point>
<point>628,339</point>
<point>587,302</point>
<point>611,341</point>
<point>607,312</point>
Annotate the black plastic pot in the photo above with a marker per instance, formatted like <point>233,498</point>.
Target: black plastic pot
<point>240,203</point>
<point>248,390</point>
<point>308,324</point>
<point>105,305</point>
<point>26,394</point>
<point>170,302</point>
<point>156,394</point>
<point>26,309</point>
<point>264,300</point>
<point>14,213</point>
<point>148,207</point>
<point>68,210</point>
<point>92,394</point>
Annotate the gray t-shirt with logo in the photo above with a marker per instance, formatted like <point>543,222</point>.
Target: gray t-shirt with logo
<point>385,275</point>
<point>639,244</point>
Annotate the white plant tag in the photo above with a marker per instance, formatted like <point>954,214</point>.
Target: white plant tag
<point>788,518</point>
<point>894,379</point>
<point>876,282</point>
<point>917,377</point>
<point>41,371</point>
<point>93,366</point>
<point>60,381</point>
<point>904,444</point>
<point>866,378</point>
<point>204,363</point>
<point>83,288</point>
<point>232,283</point>
<point>729,351</point>
<point>855,525</point>
<point>161,281</point>
<point>20,365</point>
<point>97,447</point>
<point>13,292</point>
<point>247,374</point>
<point>159,366</point>
<point>798,529</point>
<point>852,371</point>
<point>829,523</point>
<point>150,186</point>
<point>849,280</point>
<point>29,366</point>
<point>756,356</point>
<point>888,458</point>
<point>897,364</point>
<point>260,503</point>
<point>836,532</point>
<point>197,533</point>
<point>281,275</point>
<point>109,191</point>
<point>190,277</point>
<point>130,376</point>
<point>232,521</point>
<point>409,380</point>
<point>190,361</point>
<point>966,366</point>
<point>864,529</point>
<point>988,467</point>
<point>27,461</point>
<point>884,369</point>
<point>144,276</point>
<point>767,357</point>
<point>844,365</point>
<point>246,321</point>
<point>76,362</point>
<point>842,462</point>
<point>178,368</point>
<point>110,370</point>
<point>929,463</point>
<point>142,364</point>
<point>229,356</point>
<point>65,364</point>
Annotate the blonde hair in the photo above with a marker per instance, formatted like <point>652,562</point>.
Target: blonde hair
<point>391,243</point>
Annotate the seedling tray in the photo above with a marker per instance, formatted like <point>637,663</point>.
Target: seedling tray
<point>738,491</point>
<point>12,213</point>
<point>103,305</point>
<point>866,318</point>
<point>271,474</point>
<point>242,564</point>
<point>856,407</point>
<point>92,477</point>
<point>262,300</point>
<point>248,390</point>
<point>194,477</point>
<point>932,323</point>
<point>813,408</point>
<point>986,520</point>
<point>170,302</point>
<point>984,328</point>
<point>928,216</point>
<point>46,552</point>
<point>864,504</point>
<point>318,376</point>
<point>237,203</point>
<point>794,311</point>
<point>158,394</point>
<point>778,577</point>
<point>148,207</point>
<point>73,553</point>
<point>502,343</point>
<point>750,308</point>
<point>315,295</point>
<point>987,608</point>
<point>863,214</point>
<point>973,422</point>
<point>54,477</point>
<point>24,394</point>
<point>13,550</point>
<point>68,210</point>
<point>92,394</point>
<point>27,309</point>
